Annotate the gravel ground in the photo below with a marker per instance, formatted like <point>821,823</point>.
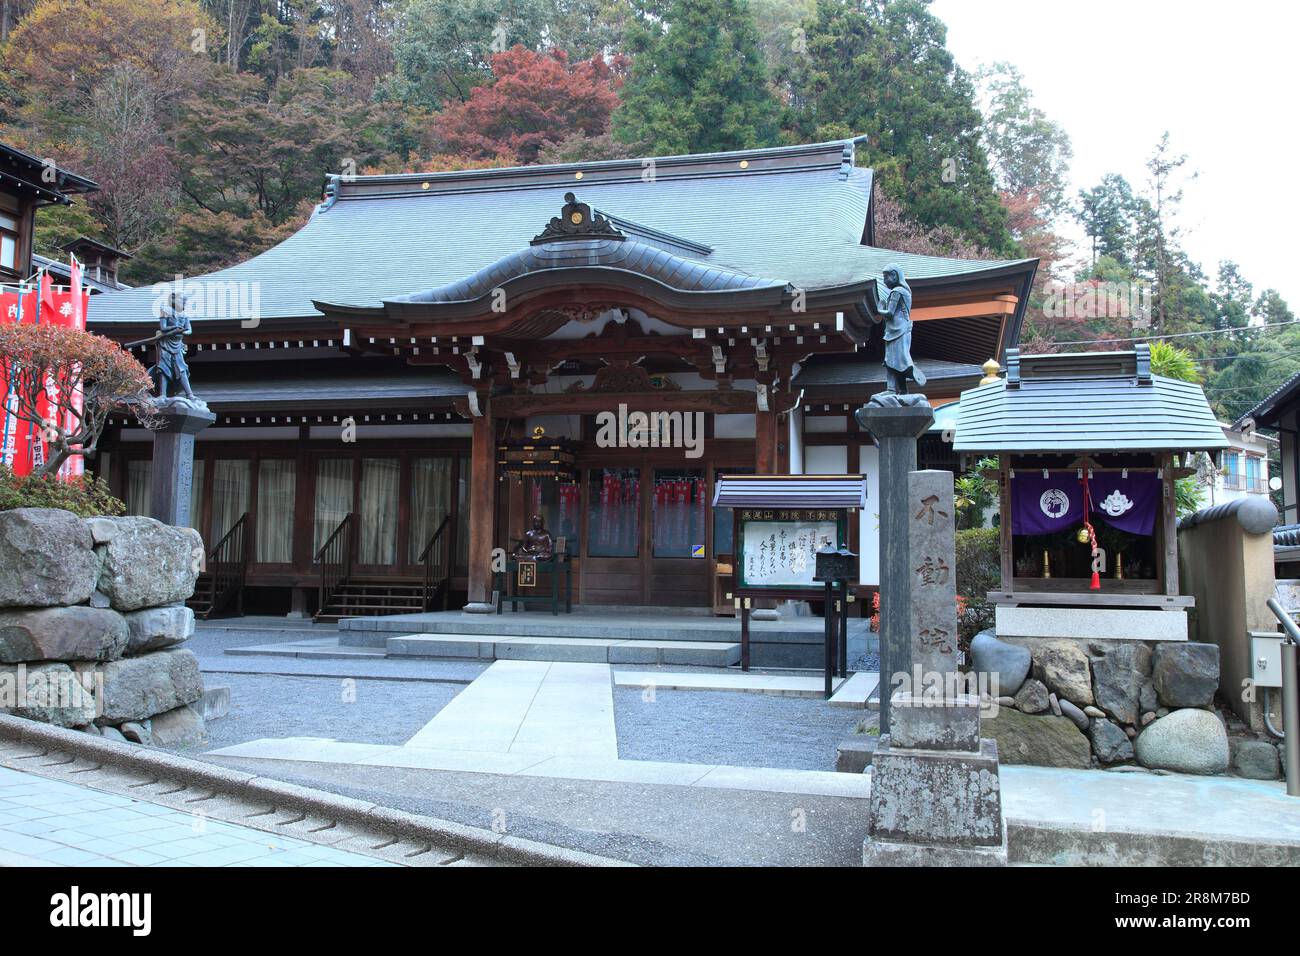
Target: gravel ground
<point>269,705</point>
<point>738,729</point>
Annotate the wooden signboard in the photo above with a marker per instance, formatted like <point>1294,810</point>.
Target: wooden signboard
<point>776,549</point>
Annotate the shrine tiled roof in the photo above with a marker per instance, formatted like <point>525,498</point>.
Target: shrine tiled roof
<point>1086,402</point>
<point>798,216</point>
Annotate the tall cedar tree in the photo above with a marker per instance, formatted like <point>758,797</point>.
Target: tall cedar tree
<point>535,99</point>
<point>880,68</point>
<point>698,82</point>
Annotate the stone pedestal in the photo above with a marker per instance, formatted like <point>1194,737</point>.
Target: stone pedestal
<point>936,797</point>
<point>895,431</point>
<point>172,476</point>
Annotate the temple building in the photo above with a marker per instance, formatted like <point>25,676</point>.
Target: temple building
<point>436,357</point>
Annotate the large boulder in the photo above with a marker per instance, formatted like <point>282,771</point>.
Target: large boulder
<point>1008,661</point>
<point>1109,742</point>
<point>1186,741</point>
<point>51,693</point>
<point>148,563</point>
<point>157,627</point>
<point>1185,674</point>
<point>61,634</point>
<point>1063,666</point>
<point>1045,741</point>
<point>1118,674</point>
<point>47,558</point>
<point>137,688</point>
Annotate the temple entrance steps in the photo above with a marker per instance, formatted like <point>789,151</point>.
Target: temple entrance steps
<point>363,597</point>
<point>567,649</point>
<point>600,634</point>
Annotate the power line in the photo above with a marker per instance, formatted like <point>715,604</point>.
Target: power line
<point>1182,335</point>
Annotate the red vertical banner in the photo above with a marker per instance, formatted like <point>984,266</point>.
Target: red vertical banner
<point>16,305</point>
<point>22,446</point>
<point>75,465</point>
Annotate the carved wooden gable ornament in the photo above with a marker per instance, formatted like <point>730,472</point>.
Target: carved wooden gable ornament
<point>577,221</point>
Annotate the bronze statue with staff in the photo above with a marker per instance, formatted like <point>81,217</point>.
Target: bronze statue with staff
<point>170,369</point>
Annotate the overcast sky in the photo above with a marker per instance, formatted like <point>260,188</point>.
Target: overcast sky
<point>1222,78</point>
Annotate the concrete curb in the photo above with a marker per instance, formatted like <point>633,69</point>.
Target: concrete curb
<point>1045,844</point>
<point>287,796</point>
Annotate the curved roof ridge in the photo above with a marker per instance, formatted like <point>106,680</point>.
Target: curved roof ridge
<point>627,255</point>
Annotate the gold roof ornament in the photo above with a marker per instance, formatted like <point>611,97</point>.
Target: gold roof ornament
<point>990,369</point>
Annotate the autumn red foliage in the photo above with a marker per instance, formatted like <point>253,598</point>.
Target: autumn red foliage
<point>46,365</point>
<point>536,99</point>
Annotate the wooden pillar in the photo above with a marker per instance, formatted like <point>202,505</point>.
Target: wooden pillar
<point>482,508</point>
<point>783,440</point>
<point>1004,523</point>
<point>1168,525</point>
<point>765,443</point>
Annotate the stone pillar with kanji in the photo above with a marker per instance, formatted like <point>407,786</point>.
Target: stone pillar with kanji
<point>935,791</point>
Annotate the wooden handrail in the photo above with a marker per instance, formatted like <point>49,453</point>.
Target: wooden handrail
<point>335,559</point>
<point>437,565</point>
<point>228,564</point>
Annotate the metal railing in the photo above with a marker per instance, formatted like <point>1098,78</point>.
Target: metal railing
<point>227,562</point>
<point>335,559</point>
<point>1235,481</point>
<point>1290,696</point>
<point>436,558</point>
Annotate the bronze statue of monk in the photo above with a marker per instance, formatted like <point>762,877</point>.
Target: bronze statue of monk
<point>537,543</point>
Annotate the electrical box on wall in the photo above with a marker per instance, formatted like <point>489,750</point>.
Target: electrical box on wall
<point>1266,659</point>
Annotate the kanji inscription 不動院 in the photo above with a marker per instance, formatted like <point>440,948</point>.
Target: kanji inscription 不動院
<point>932,555</point>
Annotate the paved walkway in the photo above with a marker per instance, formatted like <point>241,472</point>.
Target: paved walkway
<point>529,707</point>
<point>534,718</point>
<point>51,823</point>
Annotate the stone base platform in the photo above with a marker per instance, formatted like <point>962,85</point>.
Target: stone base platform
<point>889,853</point>
<point>789,642</point>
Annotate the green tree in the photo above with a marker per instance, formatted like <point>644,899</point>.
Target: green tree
<point>1107,212</point>
<point>1029,153</point>
<point>881,69</point>
<point>253,149</point>
<point>1160,233</point>
<point>698,82</point>
<point>443,48</point>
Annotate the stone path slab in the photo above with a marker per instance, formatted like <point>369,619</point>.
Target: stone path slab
<point>529,707</point>
<point>319,648</point>
<point>855,691</point>
<point>781,685</point>
<point>52,823</point>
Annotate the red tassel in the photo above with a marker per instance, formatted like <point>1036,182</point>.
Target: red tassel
<point>1096,582</point>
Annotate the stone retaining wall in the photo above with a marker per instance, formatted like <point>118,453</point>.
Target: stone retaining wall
<point>92,619</point>
<point>1078,703</point>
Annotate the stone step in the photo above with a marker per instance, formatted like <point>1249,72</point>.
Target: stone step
<point>574,649</point>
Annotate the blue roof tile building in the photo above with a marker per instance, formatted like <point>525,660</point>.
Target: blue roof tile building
<point>440,315</point>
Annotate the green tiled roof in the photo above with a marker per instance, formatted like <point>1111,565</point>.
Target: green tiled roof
<point>1072,414</point>
<point>794,215</point>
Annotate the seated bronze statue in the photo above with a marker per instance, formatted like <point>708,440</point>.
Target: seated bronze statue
<point>537,543</point>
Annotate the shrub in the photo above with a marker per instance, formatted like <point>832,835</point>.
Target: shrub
<point>86,497</point>
<point>979,570</point>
